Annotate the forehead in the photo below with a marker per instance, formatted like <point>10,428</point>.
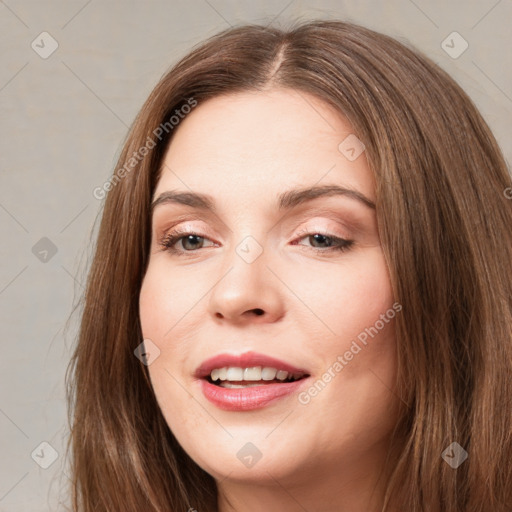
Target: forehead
<point>260,143</point>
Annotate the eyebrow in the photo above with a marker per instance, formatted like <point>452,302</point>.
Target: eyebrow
<point>286,201</point>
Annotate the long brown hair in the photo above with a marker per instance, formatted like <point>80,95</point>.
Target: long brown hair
<point>445,224</point>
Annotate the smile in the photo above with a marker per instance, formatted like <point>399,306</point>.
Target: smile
<point>247,381</point>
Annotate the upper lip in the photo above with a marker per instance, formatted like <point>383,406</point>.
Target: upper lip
<point>245,360</point>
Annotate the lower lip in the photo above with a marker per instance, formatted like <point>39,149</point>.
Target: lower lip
<point>249,398</point>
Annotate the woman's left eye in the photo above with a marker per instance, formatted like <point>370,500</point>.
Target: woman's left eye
<point>196,241</point>
<point>334,243</point>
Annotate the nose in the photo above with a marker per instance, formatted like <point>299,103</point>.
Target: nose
<point>247,292</point>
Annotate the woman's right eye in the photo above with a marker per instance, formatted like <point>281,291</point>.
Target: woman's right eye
<point>169,240</point>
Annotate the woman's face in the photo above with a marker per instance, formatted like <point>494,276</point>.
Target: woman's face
<point>273,278</point>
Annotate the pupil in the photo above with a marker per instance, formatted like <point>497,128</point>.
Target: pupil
<point>315,237</point>
<point>190,239</point>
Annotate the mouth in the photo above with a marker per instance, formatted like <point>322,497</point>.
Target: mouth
<point>248,381</point>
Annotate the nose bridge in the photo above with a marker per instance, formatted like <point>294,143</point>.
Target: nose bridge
<point>245,283</point>
<point>245,265</point>
<point>249,238</point>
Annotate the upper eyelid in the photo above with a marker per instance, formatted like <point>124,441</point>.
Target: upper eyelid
<point>302,211</point>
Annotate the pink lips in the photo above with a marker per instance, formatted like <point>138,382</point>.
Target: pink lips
<point>244,399</point>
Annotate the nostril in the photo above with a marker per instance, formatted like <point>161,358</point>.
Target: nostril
<point>259,312</point>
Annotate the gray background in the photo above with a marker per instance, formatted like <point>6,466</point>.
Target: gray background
<point>63,119</point>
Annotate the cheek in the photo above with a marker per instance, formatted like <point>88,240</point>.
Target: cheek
<point>341,300</point>
<point>166,296</point>
<point>158,309</point>
<point>352,317</point>
<point>166,306</point>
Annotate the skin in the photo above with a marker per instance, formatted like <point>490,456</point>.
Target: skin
<point>245,149</point>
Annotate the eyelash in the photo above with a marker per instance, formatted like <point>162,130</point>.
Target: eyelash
<point>168,241</point>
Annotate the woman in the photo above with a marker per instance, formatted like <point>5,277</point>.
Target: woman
<point>301,296</point>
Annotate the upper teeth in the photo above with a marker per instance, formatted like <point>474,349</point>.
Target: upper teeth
<point>234,373</point>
